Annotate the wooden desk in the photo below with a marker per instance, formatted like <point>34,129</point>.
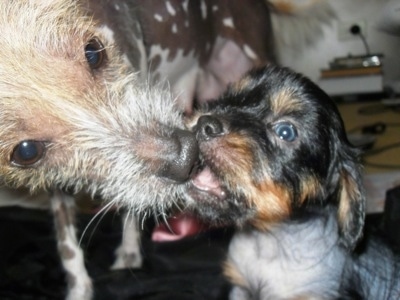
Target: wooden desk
<point>352,119</point>
<point>376,180</point>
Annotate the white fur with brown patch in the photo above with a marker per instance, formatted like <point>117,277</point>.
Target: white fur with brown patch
<point>72,257</point>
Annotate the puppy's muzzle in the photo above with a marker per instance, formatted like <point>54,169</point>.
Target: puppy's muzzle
<point>208,127</point>
<point>182,156</point>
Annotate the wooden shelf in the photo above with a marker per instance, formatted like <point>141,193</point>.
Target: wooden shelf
<point>329,73</point>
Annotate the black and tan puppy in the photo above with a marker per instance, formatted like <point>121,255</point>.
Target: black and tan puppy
<point>276,162</point>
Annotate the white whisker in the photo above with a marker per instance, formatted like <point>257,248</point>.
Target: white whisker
<point>103,211</point>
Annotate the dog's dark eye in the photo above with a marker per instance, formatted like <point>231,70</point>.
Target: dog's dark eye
<point>286,131</point>
<point>27,153</point>
<point>95,53</point>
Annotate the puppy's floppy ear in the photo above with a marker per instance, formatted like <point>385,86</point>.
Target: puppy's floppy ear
<point>351,205</point>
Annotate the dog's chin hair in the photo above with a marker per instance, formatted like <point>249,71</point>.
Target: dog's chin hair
<point>224,215</point>
<point>142,202</point>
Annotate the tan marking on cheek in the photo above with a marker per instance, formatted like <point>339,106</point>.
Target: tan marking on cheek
<point>310,189</point>
<point>233,274</point>
<point>238,149</point>
<point>272,203</point>
<point>235,157</point>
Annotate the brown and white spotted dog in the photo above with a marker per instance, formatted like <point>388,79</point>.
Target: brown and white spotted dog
<point>81,110</point>
<point>215,42</point>
<point>200,47</point>
<point>197,46</point>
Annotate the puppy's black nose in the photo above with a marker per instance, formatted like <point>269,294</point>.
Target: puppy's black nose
<point>182,156</point>
<point>208,127</point>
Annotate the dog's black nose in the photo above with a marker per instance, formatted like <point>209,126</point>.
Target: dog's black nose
<point>182,157</point>
<point>208,127</point>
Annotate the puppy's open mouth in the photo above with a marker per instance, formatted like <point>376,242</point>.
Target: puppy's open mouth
<point>213,200</point>
<point>206,184</point>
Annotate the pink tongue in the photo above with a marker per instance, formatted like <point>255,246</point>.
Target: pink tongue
<point>178,227</point>
<point>185,225</point>
<point>206,181</point>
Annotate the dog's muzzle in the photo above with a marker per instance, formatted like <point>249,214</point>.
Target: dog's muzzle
<point>182,158</point>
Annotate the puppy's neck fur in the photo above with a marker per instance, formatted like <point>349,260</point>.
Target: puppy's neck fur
<point>300,257</point>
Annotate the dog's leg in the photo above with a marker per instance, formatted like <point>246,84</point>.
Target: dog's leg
<point>79,282</point>
<point>128,254</point>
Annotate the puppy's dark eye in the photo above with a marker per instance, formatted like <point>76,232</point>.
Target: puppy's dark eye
<point>27,153</point>
<point>95,53</point>
<point>286,131</point>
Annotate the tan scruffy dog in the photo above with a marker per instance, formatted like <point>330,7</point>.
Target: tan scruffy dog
<point>74,117</point>
<point>77,112</point>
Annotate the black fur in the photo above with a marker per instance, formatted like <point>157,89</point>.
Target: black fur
<point>321,153</point>
<point>321,150</point>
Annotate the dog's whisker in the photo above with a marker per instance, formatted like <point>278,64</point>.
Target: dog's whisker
<point>165,221</point>
<point>98,216</point>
